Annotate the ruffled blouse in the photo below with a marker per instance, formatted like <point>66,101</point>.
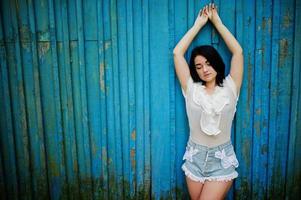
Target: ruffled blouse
<point>210,116</point>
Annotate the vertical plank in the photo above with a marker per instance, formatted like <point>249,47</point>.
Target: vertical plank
<point>92,87</point>
<point>117,100</point>
<point>146,102</point>
<point>283,100</point>
<point>67,102</point>
<point>293,178</point>
<point>83,136</point>
<point>159,71</point>
<point>273,96</point>
<point>111,162</point>
<point>139,97</point>
<point>132,149</point>
<point>172,112</point>
<point>124,95</point>
<point>18,106</point>
<point>227,14</point>
<point>182,129</point>
<point>6,122</point>
<point>244,119</point>
<point>101,186</point>
<point>32,100</point>
<point>261,98</point>
<point>204,36</point>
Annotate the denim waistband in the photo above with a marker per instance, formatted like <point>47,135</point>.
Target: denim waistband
<point>206,148</point>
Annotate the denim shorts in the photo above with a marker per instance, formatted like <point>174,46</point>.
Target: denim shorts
<point>210,163</point>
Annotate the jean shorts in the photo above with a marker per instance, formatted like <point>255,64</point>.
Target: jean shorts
<point>204,163</point>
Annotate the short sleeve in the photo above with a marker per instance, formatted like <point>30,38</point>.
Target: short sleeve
<point>231,84</point>
<point>188,87</point>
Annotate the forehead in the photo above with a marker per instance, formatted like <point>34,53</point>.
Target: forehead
<point>200,59</point>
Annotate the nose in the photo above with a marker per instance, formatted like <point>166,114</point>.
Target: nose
<point>205,68</point>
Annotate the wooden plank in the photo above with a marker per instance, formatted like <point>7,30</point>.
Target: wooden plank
<point>261,98</point>
<point>273,97</point>
<point>37,142</point>
<point>41,20</point>
<point>283,100</point>
<point>227,14</point>
<point>83,138</point>
<point>6,123</point>
<point>18,107</point>
<point>160,138</point>
<point>293,177</point>
<point>139,97</point>
<point>68,112</point>
<point>172,111</point>
<point>90,14</point>
<point>108,57</point>
<point>124,96</point>
<point>182,129</point>
<point>244,119</point>
<point>146,103</point>
<point>117,100</point>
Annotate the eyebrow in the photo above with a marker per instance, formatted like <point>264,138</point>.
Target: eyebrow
<point>201,63</point>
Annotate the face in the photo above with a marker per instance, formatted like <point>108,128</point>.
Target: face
<point>204,69</point>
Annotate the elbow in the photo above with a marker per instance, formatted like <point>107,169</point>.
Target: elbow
<point>238,51</point>
<point>177,52</point>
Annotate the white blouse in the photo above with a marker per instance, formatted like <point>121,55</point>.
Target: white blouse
<point>210,116</point>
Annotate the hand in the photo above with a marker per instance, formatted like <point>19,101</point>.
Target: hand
<point>213,15</point>
<point>202,17</point>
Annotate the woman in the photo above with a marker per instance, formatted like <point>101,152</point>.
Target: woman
<point>211,99</point>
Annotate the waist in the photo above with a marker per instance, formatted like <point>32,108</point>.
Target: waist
<point>210,147</point>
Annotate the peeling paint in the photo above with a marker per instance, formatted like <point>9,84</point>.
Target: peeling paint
<point>287,19</point>
<point>104,154</point>
<point>246,151</point>
<point>108,44</point>
<point>133,134</point>
<point>101,77</point>
<point>267,23</point>
<point>25,35</point>
<point>43,48</point>
<point>133,159</point>
<point>283,51</point>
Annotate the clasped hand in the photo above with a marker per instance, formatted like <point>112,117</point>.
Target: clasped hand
<point>208,12</point>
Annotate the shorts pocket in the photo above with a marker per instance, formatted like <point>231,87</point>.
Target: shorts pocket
<point>189,153</point>
<point>228,158</point>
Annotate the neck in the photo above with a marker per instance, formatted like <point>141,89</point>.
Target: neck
<point>210,85</point>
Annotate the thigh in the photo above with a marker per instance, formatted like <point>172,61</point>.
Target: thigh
<point>215,189</point>
<point>194,188</point>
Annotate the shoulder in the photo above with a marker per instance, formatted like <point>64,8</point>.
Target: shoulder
<point>229,83</point>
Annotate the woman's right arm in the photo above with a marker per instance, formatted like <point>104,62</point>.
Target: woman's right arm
<point>181,66</point>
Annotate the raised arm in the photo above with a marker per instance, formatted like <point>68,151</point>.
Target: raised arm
<point>181,66</point>
<point>236,70</point>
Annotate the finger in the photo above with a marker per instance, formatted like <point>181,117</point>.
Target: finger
<point>210,6</point>
<point>213,6</point>
<point>204,10</point>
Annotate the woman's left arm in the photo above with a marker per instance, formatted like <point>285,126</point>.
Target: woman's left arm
<point>237,60</point>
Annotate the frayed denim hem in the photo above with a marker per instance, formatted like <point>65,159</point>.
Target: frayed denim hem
<point>225,178</point>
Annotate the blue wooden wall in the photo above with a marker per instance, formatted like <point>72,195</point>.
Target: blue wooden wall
<point>90,106</point>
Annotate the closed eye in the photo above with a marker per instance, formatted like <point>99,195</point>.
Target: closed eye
<point>198,66</point>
